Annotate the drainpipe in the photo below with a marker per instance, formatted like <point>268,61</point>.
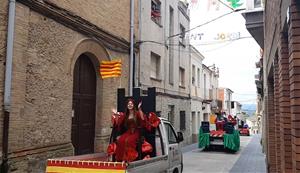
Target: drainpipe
<point>131,74</point>
<point>8,79</point>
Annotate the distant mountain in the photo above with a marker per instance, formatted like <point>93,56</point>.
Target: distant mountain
<point>249,108</point>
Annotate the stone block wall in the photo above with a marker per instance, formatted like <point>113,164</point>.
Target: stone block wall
<point>45,52</point>
<point>162,105</point>
<point>112,16</point>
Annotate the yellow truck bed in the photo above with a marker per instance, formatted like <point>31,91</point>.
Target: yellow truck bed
<point>87,164</point>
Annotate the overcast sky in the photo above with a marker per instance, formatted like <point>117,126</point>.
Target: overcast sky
<point>235,59</point>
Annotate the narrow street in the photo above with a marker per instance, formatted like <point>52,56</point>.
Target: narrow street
<point>248,159</point>
<point>120,86</point>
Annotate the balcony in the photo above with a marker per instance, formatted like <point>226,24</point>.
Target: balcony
<point>254,20</point>
<point>216,105</point>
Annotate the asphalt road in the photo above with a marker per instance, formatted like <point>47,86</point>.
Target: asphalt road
<point>248,159</point>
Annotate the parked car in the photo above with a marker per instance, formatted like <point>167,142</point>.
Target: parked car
<point>244,131</point>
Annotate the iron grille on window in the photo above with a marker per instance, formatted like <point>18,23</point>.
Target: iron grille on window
<point>182,120</point>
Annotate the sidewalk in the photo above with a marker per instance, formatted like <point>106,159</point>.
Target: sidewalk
<point>251,159</point>
<point>189,147</point>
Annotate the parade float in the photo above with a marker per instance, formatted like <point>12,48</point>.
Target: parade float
<point>219,133</point>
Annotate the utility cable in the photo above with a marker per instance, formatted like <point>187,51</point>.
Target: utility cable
<point>204,23</point>
<point>199,44</point>
<point>226,5</point>
<point>220,47</point>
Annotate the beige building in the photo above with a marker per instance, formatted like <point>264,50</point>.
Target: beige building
<point>164,59</point>
<point>58,104</point>
<point>196,91</point>
<point>210,84</point>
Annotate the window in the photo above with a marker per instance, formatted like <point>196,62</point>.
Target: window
<point>171,134</point>
<point>171,22</point>
<point>171,51</point>
<point>158,113</point>
<point>182,120</point>
<point>232,105</point>
<point>182,35</point>
<point>155,11</point>
<point>171,114</point>
<point>199,120</point>
<point>181,77</point>
<point>193,75</point>
<point>194,129</point>
<point>199,77</point>
<point>204,87</point>
<point>257,3</point>
<point>158,143</point>
<point>155,66</point>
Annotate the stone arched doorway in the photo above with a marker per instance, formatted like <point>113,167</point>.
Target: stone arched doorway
<point>84,105</point>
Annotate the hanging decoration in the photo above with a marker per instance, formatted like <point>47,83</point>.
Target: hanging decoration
<point>235,3</point>
<point>109,69</point>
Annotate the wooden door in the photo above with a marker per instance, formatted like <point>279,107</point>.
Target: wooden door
<point>84,101</point>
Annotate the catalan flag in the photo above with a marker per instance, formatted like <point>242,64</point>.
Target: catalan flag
<point>110,69</point>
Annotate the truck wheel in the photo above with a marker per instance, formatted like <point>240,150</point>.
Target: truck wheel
<point>175,170</point>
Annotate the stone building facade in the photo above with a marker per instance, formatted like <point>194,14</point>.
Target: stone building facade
<point>282,85</point>
<point>57,94</point>
<point>165,59</point>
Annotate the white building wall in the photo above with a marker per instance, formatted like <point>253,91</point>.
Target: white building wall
<point>196,92</point>
<point>205,82</point>
<point>237,109</point>
<point>155,38</point>
<point>210,91</point>
<point>196,61</point>
<point>226,107</point>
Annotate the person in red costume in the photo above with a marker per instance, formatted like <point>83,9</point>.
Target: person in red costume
<point>232,120</point>
<point>219,121</point>
<point>129,125</point>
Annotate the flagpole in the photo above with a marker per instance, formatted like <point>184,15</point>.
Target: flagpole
<point>120,80</point>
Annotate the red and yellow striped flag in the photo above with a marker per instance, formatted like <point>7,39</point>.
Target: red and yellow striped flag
<point>110,69</point>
